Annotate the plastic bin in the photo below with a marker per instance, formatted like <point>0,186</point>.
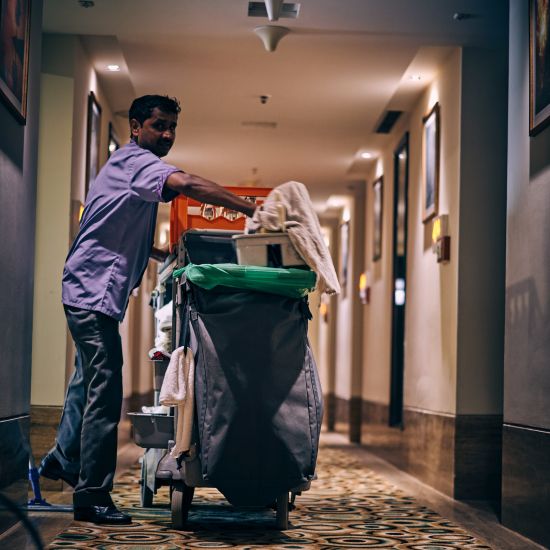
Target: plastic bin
<point>267,250</point>
<point>152,431</point>
<point>186,213</point>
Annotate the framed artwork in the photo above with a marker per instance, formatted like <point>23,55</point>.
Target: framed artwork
<point>539,66</point>
<point>14,55</point>
<point>344,257</point>
<point>114,142</point>
<point>92,141</point>
<point>430,163</point>
<point>377,203</point>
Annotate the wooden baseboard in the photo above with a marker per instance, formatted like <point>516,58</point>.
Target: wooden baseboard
<point>457,455</point>
<point>341,409</point>
<point>375,413</point>
<point>329,401</point>
<point>525,482</point>
<point>14,464</point>
<point>478,457</point>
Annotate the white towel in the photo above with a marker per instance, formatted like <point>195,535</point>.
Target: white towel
<point>303,230</point>
<point>163,338</point>
<point>178,389</point>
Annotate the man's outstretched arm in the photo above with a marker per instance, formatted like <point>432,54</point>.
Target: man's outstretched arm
<point>207,191</point>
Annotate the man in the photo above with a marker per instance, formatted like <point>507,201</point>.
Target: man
<point>105,263</point>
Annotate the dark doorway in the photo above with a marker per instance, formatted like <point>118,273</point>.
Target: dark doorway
<point>400,206</point>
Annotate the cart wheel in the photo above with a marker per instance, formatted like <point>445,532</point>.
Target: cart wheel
<point>281,518</point>
<point>146,493</point>
<point>182,496</point>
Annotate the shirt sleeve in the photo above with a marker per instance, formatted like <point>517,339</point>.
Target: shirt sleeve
<point>148,177</point>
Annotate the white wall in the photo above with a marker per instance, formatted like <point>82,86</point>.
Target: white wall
<point>431,307</point>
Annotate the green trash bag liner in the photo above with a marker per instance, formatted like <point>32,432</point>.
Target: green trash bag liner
<point>290,282</point>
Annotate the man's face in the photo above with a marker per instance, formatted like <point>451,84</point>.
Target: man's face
<point>158,132</point>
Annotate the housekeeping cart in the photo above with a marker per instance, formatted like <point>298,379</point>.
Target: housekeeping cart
<point>258,404</point>
<point>257,398</point>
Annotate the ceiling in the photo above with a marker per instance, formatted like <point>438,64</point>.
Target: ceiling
<point>331,78</point>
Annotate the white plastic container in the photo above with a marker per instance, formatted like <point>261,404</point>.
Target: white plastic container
<point>267,249</point>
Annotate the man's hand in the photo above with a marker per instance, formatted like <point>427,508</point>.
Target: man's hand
<point>209,192</point>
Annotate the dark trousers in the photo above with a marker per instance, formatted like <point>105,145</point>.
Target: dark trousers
<point>86,440</point>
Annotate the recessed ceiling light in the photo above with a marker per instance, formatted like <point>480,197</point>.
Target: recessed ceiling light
<point>366,155</point>
<point>113,68</point>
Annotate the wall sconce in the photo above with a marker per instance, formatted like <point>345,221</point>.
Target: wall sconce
<point>364,288</point>
<point>441,241</point>
<point>323,311</point>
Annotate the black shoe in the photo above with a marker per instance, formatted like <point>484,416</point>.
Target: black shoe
<point>102,515</point>
<point>52,469</point>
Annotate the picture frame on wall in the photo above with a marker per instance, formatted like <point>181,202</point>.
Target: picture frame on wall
<point>430,163</point>
<point>377,216</point>
<point>539,65</point>
<point>113,143</point>
<point>14,55</point>
<point>93,140</point>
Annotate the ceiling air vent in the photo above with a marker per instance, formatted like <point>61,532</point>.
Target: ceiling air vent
<point>258,9</point>
<point>388,120</point>
<point>259,124</point>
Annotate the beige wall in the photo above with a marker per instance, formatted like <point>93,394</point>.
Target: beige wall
<point>431,306</point>
<point>86,81</point>
<point>137,329</point>
<point>482,246</point>
<point>52,239</point>
<point>431,315</point>
<point>138,332</point>
<point>377,318</point>
<point>68,77</point>
<point>343,379</point>
<point>324,329</point>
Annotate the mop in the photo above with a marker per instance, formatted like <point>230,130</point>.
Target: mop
<point>39,504</point>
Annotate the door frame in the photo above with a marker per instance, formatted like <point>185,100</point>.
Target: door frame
<point>399,271</point>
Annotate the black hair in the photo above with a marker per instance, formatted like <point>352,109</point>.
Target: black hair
<point>142,107</point>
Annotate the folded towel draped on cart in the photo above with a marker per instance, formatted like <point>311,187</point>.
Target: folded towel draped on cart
<point>303,229</point>
<point>178,391</point>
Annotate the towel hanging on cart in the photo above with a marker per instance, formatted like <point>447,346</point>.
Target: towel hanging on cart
<point>178,391</point>
<point>303,229</point>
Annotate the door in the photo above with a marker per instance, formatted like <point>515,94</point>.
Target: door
<point>399,278</point>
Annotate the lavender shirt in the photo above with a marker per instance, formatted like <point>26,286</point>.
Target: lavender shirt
<point>110,253</point>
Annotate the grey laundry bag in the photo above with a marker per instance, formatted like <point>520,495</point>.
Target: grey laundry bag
<point>257,391</point>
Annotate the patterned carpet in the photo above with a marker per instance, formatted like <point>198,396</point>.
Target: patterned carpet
<point>347,507</point>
